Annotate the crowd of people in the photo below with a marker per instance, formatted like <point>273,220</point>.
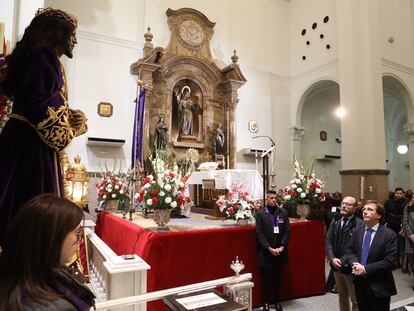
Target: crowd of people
<point>361,265</point>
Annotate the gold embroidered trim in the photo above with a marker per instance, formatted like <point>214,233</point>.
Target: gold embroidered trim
<point>55,131</point>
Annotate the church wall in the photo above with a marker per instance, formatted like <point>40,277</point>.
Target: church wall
<point>92,62</point>
<point>281,133</point>
<point>6,16</point>
<point>268,41</point>
<point>110,38</point>
<point>396,21</point>
<point>319,115</point>
<point>302,15</point>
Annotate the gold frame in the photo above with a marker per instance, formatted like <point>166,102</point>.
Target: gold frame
<point>105,109</point>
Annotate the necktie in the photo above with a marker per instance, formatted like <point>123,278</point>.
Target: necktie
<point>365,246</point>
<point>345,221</point>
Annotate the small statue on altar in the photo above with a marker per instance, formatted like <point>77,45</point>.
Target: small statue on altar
<point>161,134</point>
<point>218,141</point>
<point>186,108</point>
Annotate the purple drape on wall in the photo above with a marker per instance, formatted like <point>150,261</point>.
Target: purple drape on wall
<point>138,129</point>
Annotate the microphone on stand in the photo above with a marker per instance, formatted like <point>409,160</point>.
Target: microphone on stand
<point>265,172</point>
<point>259,136</point>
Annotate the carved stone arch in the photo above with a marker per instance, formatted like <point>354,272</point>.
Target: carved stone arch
<point>195,64</point>
<point>307,92</point>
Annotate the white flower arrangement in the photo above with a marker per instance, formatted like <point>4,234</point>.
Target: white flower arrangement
<point>304,187</point>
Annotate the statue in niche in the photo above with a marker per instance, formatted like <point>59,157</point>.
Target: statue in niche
<point>161,133</point>
<point>218,141</point>
<point>187,108</point>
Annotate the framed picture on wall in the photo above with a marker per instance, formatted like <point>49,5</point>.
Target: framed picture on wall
<point>253,127</point>
<point>323,135</point>
<point>105,109</point>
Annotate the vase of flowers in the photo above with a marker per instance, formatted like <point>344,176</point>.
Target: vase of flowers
<point>112,189</point>
<point>165,190</point>
<point>238,205</point>
<point>161,217</point>
<point>304,189</point>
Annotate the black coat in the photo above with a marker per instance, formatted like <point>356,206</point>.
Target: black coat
<point>73,289</point>
<point>335,245</point>
<point>381,258</point>
<point>266,237</point>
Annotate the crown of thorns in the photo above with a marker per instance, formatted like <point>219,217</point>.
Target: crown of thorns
<point>57,13</point>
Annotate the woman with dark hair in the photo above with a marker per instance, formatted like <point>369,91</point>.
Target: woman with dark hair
<point>43,236</point>
<point>41,123</point>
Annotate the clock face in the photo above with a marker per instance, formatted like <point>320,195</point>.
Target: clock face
<point>191,33</point>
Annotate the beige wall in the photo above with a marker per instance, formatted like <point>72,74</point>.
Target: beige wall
<point>267,37</point>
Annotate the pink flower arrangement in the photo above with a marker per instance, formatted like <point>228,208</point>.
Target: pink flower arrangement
<point>237,204</point>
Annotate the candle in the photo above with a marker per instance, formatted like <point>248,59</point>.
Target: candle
<point>362,187</point>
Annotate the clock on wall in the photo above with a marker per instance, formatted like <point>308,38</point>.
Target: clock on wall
<point>191,33</point>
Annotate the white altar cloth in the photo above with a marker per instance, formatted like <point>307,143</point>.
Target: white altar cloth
<point>225,179</point>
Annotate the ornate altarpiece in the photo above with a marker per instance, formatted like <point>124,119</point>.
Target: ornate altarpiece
<point>186,65</point>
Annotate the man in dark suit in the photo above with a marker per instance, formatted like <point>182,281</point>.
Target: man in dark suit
<point>372,251</point>
<point>273,233</point>
<point>338,236</point>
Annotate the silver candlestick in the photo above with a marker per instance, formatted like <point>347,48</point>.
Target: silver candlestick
<point>237,266</point>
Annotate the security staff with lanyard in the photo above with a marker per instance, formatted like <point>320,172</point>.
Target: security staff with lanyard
<point>273,233</point>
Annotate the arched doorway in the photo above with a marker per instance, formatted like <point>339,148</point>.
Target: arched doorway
<point>398,112</point>
<point>321,141</point>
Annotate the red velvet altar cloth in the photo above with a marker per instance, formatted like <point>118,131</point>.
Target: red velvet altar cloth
<point>182,258</point>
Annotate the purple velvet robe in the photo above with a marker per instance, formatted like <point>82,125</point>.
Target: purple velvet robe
<point>27,163</point>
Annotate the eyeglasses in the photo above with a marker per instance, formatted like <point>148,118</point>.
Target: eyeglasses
<point>347,204</point>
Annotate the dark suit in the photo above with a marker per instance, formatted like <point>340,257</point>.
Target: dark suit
<point>270,265</point>
<point>375,288</point>
<point>336,240</point>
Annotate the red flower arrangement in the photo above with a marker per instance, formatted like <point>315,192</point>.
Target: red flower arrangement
<point>112,187</point>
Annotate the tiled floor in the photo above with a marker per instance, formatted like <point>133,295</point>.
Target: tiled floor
<point>329,302</point>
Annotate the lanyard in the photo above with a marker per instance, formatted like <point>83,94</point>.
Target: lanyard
<point>274,219</point>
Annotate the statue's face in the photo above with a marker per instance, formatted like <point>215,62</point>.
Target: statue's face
<point>186,94</point>
<point>69,45</point>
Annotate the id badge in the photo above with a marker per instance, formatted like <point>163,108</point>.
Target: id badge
<point>276,230</point>
<point>333,209</point>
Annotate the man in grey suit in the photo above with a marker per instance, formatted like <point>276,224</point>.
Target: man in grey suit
<point>338,236</point>
<point>372,251</point>
<point>272,233</point>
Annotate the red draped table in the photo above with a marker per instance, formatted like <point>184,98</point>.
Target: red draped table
<point>182,258</point>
